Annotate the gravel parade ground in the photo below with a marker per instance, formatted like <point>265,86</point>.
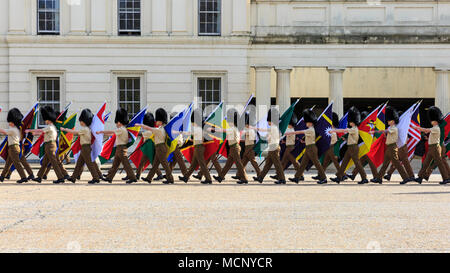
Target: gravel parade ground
<point>224,217</point>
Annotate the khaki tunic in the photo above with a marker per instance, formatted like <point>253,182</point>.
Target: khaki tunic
<point>233,135</point>
<point>13,136</point>
<point>274,138</point>
<point>333,138</point>
<point>250,137</point>
<point>160,135</point>
<point>290,139</point>
<point>353,136</point>
<point>310,136</point>
<point>50,133</point>
<point>85,136</point>
<point>435,135</point>
<point>392,135</point>
<point>121,136</point>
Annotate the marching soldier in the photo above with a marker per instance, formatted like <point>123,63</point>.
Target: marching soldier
<point>391,152</point>
<point>50,134</point>
<point>273,156</point>
<point>311,153</point>
<point>178,156</point>
<point>329,154</point>
<point>354,118</point>
<point>434,149</point>
<point>14,119</point>
<point>199,149</point>
<point>233,138</point>
<point>121,155</point>
<point>160,147</point>
<point>250,138</point>
<point>85,136</point>
<point>290,145</point>
<point>149,120</point>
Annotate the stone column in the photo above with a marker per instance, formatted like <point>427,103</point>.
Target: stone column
<point>442,99</point>
<point>283,87</point>
<point>336,89</point>
<point>262,85</point>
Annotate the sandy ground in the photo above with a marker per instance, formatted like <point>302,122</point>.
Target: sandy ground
<point>224,217</point>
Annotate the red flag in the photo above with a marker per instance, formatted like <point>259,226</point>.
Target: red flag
<point>136,156</point>
<point>36,149</point>
<point>188,153</point>
<point>108,148</point>
<point>211,147</point>
<point>76,146</point>
<point>376,153</point>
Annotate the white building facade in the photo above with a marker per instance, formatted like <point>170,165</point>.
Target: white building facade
<point>132,53</point>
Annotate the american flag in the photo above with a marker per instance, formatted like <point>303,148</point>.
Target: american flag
<point>413,134</point>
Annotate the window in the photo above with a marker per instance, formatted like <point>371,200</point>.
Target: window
<point>209,90</point>
<point>130,95</point>
<point>48,16</point>
<point>129,17</point>
<point>48,94</point>
<point>209,17</point>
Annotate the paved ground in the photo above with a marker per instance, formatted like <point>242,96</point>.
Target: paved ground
<point>224,217</point>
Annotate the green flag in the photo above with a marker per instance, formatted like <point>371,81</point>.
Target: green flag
<point>286,118</point>
<point>148,149</point>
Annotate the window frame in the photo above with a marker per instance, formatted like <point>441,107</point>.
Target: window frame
<point>223,75</point>
<point>128,32</point>
<point>126,101</point>
<point>57,19</point>
<point>219,19</point>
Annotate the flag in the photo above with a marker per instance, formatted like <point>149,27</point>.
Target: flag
<point>136,156</point>
<point>322,127</point>
<point>4,149</point>
<point>216,119</point>
<point>210,148</point>
<point>38,148</point>
<point>109,148</point>
<point>414,135</point>
<point>286,118</point>
<point>65,138</point>
<point>28,122</point>
<point>445,127</point>
<point>403,126</point>
<point>376,153</point>
<point>173,129</point>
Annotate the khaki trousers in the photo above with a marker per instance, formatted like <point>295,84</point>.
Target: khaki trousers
<point>142,163</point>
<point>434,164</point>
<point>351,153</point>
<point>403,157</point>
<point>365,159</point>
<point>13,158</point>
<point>50,158</point>
<point>121,156</point>
<point>288,157</point>
<point>178,158</point>
<point>390,155</point>
<point>215,162</point>
<point>434,153</point>
<point>249,156</point>
<point>273,158</point>
<point>198,160</point>
<point>234,157</point>
<point>330,157</point>
<point>160,158</point>
<point>85,158</point>
<point>311,154</point>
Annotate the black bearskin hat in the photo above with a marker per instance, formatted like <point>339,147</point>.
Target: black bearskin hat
<point>48,113</point>
<point>232,116</point>
<point>161,115</point>
<point>364,115</point>
<point>294,119</point>
<point>275,113</point>
<point>121,116</point>
<point>86,116</point>
<point>309,116</point>
<point>15,116</point>
<point>354,116</point>
<point>435,114</point>
<point>335,120</point>
<point>197,117</point>
<point>149,119</point>
<point>391,114</point>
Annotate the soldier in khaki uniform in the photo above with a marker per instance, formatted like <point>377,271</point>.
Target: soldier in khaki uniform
<point>199,150</point>
<point>434,148</point>
<point>14,119</point>
<point>233,136</point>
<point>249,141</point>
<point>391,152</point>
<point>273,156</point>
<point>50,135</point>
<point>354,118</point>
<point>149,120</point>
<point>121,155</point>
<point>311,153</point>
<point>329,154</point>
<point>85,136</point>
<point>160,147</point>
